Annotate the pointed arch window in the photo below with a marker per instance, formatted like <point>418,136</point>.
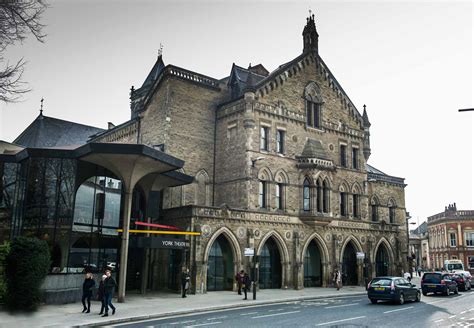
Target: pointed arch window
<point>306,196</point>
<point>319,197</point>
<point>325,197</point>
<point>391,214</point>
<point>374,209</point>
<point>356,206</point>
<point>262,194</point>
<point>313,104</point>
<point>279,192</point>
<point>343,203</point>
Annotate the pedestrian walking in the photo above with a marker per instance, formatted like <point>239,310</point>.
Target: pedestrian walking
<point>247,284</point>
<point>337,279</point>
<point>239,279</point>
<point>101,294</point>
<point>109,288</point>
<point>419,271</point>
<point>185,279</point>
<point>407,276</point>
<point>87,286</point>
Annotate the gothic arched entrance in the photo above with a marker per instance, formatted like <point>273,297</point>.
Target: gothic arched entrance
<point>382,261</point>
<point>312,266</point>
<point>270,265</point>
<point>349,265</point>
<point>220,270</point>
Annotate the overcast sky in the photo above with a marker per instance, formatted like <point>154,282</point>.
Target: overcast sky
<point>410,62</point>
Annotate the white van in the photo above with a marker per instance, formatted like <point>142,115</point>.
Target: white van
<point>456,266</point>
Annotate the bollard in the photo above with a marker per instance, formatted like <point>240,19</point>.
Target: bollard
<point>254,290</point>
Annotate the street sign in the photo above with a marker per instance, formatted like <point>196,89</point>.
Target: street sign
<point>158,242</point>
<point>249,252</point>
<point>360,255</point>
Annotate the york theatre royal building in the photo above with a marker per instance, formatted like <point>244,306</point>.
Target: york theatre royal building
<point>279,161</point>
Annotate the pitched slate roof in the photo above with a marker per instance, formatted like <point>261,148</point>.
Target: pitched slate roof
<point>47,131</point>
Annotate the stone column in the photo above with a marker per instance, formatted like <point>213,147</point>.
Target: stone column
<point>124,248</point>
<point>326,277</point>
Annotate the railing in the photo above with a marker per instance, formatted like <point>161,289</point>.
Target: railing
<point>192,76</point>
<point>385,178</point>
<point>452,214</point>
<point>310,162</point>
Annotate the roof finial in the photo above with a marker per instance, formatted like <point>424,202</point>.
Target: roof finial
<point>160,51</point>
<point>364,106</point>
<point>41,109</point>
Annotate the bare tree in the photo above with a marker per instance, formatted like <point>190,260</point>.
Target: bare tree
<point>18,19</point>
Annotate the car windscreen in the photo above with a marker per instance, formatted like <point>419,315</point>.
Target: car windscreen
<point>457,266</point>
<point>381,282</point>
<point>434,278</point>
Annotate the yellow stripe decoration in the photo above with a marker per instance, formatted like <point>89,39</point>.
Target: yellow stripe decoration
<point>163,232</point>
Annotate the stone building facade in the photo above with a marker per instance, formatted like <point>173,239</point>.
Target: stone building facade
<point>280,167</point>
<point>451,236</point>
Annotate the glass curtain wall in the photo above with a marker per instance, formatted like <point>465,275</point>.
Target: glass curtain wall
<point>97,213</point>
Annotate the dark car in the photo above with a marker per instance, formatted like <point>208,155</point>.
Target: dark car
<point>395,289</point>
<point>464,282</point>
<point>438,282</point>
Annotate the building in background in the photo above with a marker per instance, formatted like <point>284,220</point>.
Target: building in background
<point>451,236</point>
<point>419,247</point>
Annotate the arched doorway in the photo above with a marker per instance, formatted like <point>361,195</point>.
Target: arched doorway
<point>349,265</point>
<point>220,271</point>
<point>382,261</point>
<point>270,265</point>
<point>312,266</point>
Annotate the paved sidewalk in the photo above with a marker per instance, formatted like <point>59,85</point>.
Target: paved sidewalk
<point>160,305</point>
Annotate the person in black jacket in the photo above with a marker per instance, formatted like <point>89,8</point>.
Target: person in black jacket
<point>109,288</point>
<point>247,284</point>
<point>185,279</point>
<point>87,286</point>
<point>101,294</point>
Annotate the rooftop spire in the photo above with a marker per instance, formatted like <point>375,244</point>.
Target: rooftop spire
<point>160,51</point>
<point>41,108</point>
<point>310,35</point>
<point>365,118</point>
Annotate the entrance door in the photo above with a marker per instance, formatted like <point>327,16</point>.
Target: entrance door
<point>381,262</point>
<point>349,266</point>
<point>220,265</point>
<point>270,265</point>
<point>312,266</point>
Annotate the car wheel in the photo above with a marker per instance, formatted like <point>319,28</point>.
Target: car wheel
<point>374,301</point>
<point>401,299</point>
<point>456,291</point>
<point>418,297</point>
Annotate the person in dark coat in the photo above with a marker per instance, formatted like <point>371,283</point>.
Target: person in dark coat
<point>247,284</point>
<point>239,279</point>
<point>101,294</point>
<point>109,288</point>
<point>87,286</point>
<point>185,279</point>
